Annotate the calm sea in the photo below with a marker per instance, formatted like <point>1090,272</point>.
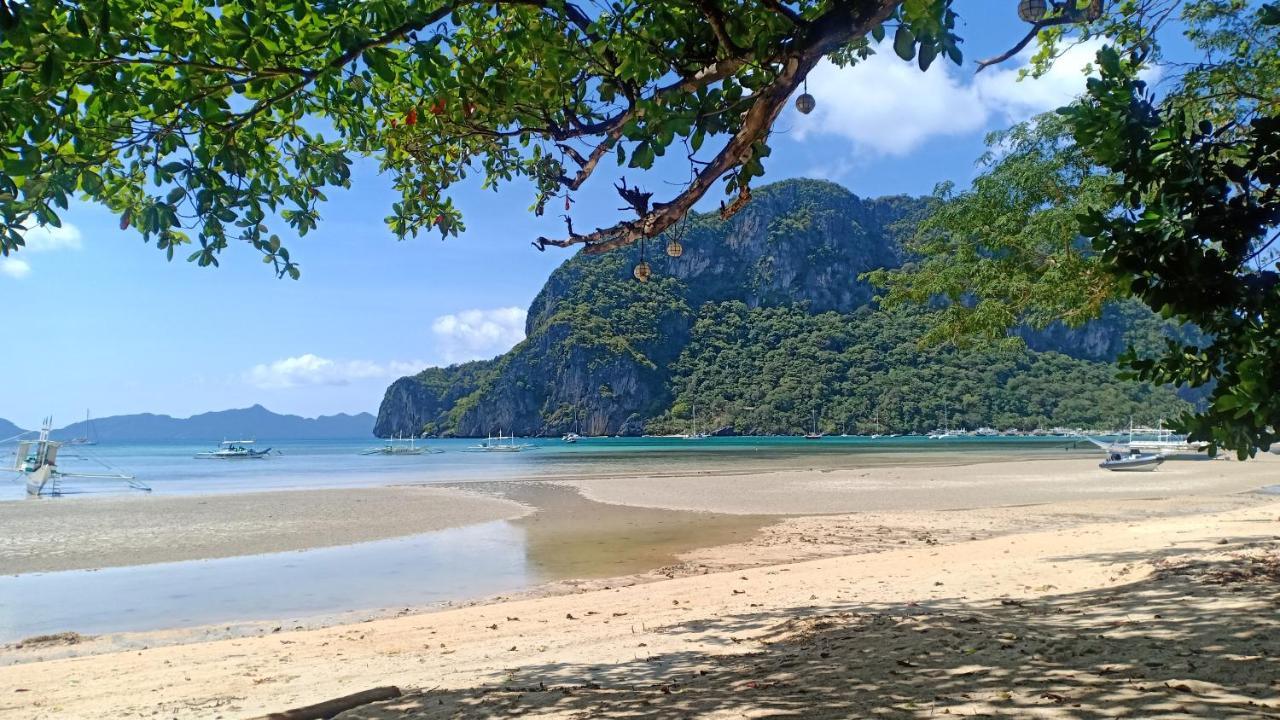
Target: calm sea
<point>171,468</point>
<point>445,566</point>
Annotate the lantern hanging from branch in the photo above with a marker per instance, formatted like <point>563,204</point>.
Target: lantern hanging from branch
<point>805,103</point>
<point>642,271</point>
<point>1032,11</point>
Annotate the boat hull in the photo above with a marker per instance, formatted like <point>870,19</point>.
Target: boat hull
<point>1133,463</point>
<point>37,479</point>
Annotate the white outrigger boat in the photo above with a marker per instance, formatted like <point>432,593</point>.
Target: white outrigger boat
<point>234,450</point>
<point>37,462</point>
<point>492,444</point>
<point>1162,441</point>
<point>400,446</point>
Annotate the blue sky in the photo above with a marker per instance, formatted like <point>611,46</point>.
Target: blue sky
<point>101,321</point>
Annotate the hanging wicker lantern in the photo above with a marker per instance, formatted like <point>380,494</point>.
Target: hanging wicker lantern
<point>674,248</point>
<point>805,103</point>
<point>1032,11</point>
<point>642,271</point>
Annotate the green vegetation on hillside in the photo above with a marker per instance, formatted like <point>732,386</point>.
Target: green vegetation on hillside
<point>761,321</point>
<point>767,370</point>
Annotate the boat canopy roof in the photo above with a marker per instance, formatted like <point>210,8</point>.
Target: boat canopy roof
<point>237,442</point>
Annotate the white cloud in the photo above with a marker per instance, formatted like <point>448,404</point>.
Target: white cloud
<point>15,268</point>
<point>45,238</point>
<point>309,369</point>
<point>886,106</point>
<point>41,238</point>
<point>478,334</point>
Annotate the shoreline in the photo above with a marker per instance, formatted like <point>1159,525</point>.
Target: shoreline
<point>65,534</point>
<point>129,530</point>
<point>1009,624</point>
<point>770,540</point>
<point>957,486</point>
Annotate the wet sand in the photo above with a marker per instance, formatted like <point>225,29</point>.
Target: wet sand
<point>82,533</point>
<point>959,485</point>
<point>1148,617</point>
<point>569,538</point>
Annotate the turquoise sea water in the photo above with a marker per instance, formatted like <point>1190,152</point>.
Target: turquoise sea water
<point>449,565</point>
<point>170,468</point>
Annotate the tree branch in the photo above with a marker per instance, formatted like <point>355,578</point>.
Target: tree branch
<point>1093,12</point>
<point>783,10</point>
<point>840,25</point>
<point>715,16</point>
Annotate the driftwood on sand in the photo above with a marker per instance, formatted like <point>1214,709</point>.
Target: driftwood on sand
<point>330,708</point>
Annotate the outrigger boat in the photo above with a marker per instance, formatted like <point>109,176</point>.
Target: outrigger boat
<point>1162,441</point>
<point>492,444</point>
<point>37,462</point>
<point>405,447</point>
<point>234,450</point>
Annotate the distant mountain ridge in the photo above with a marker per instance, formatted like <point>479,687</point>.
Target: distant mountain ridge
<point>761,322</point>
<point>254,422</point>
<point>8,429</point>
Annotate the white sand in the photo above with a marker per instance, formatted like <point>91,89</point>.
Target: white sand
<point>1106,633</point>
<point>940,487</point>
<point>1019,612</point>
<point>76,533</point>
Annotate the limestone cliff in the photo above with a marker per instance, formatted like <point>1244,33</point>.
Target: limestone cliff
<point>600,348</point>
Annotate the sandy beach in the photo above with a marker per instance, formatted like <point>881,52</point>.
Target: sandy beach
<point>74,533</point>
<point>1112,596</point>
<point>949,486</point>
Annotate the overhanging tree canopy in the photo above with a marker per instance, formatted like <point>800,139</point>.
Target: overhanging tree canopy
<point>200,123</point>
<point>1171,198</point>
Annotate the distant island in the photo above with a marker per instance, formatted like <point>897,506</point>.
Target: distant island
<point>8,429</point>
<point>254,422</point>
<point>762,324</point>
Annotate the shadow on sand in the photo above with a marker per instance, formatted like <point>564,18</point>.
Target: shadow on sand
<point>1194,639</point>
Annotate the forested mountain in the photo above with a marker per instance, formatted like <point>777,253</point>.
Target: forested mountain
<point>762,322</point>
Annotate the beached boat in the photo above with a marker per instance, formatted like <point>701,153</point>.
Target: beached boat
<point>36,461</point>
<point>234,450</point>
<point>492,444</point>
<point>400,446</point>
<point>1134,461</point>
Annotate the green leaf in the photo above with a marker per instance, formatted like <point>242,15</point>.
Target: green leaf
<point>927,54</point>
<point>904,43</point>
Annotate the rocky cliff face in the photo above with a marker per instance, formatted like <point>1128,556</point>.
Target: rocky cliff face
<point>423,402</point>
<point>599,346</point>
